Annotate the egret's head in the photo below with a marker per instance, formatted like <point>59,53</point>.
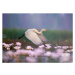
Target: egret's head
<point>39,32</point>
<point>44,30</point>
<point>34,30</point>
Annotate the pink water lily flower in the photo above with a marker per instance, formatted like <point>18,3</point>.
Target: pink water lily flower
<point>3,44</point>
<point>29,47</point>
<point>55,47</point>
<point>17,47</point>
<point>65,47</point>
<point>65,57</point>
<point>48,53</point>
<point>69,51</point>
<point>59,51</point>
<point>31,59</point>
<point>6,45</point>
<point>8,48</point>
<point>54,55</point>
<point>18,43</point>
<point>31,53</point>
<point>18,52</point>
<point>10,53</point>
<point>48,46</point>
<point>24,52</point>
<point>38,52</point>
<point>59,46</point>
<point>11,44</point>
<point>42,46</point>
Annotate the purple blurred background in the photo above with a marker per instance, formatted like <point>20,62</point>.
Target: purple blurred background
<point>39,21</point>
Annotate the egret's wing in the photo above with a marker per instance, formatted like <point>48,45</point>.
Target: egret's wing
<point>32,36</point>
<point>42,37</point>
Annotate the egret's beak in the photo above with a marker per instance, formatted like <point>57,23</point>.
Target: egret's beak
<point>46,30</point>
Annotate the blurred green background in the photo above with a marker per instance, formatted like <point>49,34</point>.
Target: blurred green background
<point>56,36</point>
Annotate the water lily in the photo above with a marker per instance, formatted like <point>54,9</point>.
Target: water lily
<point>6,45</point>
<point>42,46</point>
<point>24,52</point>
<point>8,48</point>
<point>10,53</point>
<point>48,53</point>
<point>65,47</point>
<point>18,43</point>
<point>17,47</point>
<point>48,46</point>
<point>3,44</point>
<point>18,52</point>
<point>65,57</point>
<point>59,51</point>
<point>31,53</point>
<point>55,47</point>
<point>6,58</point>
<point>29,47</point>
<point>59,46</point>
<point>54,55</point>
<point>31,59</point>
<point>37,50</point>
<point>11,44</point>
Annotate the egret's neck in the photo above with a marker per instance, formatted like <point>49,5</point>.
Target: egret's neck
<point>41,31</point>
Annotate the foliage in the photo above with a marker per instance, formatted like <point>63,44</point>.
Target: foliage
<point>52,35</point>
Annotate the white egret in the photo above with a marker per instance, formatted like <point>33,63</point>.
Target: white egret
<point>35,36</point>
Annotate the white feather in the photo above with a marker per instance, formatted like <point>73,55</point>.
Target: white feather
<point>33,37</point>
